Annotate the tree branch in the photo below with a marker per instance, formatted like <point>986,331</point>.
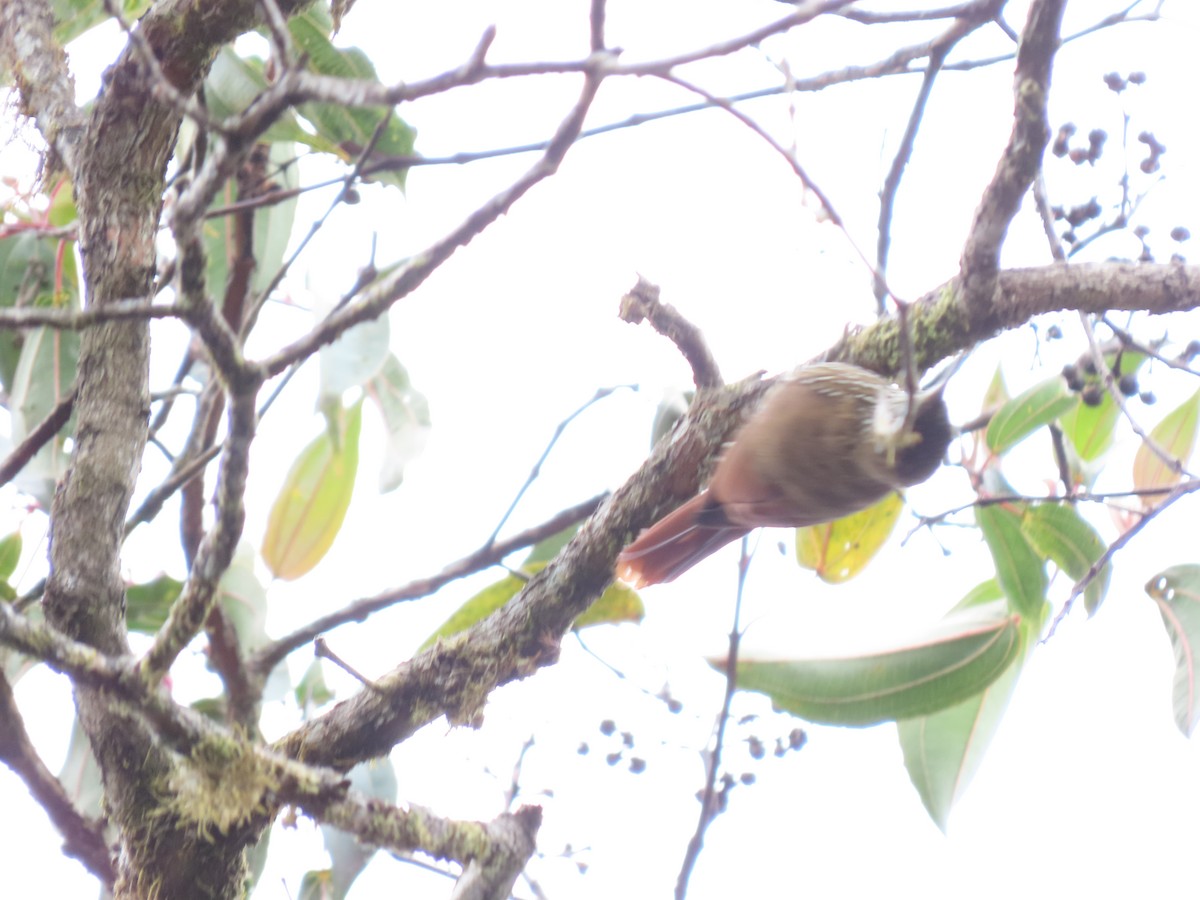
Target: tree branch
<point>83,838</point>
<point>1021,159</point>
<point>485,557</point>
<point>455,676</point>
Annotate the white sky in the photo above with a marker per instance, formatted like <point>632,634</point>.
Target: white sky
<point>1088,787</point>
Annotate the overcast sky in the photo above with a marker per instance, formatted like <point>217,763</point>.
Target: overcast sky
<point>1088,788</point>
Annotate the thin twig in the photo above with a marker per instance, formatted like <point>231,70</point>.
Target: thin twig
<point>408,278</point>
<point>643,302</point>
<point>891,184</point>
<point>709,808</point>
<point>83,838</point>
<point>600,394</point>
<point>41,434</point>
<point>1180,490</point>
<point>265,659</point>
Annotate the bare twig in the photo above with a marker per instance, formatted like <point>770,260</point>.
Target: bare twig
<point>83,838</point>
<point>642,302</point>
<point>710,805</point>
<point>1042,199</point>
<point>600,394</point>
<point>41,434</point>
<point>489,555</point>
<point>872,17</point>
<point>1074,498</point>
<point>1181,490</point>
<point>182,472</point>
<point>891,184</point>
<point>407,278</point>
<point>596,25</point>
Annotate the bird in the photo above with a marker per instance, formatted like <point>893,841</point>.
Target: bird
<point>826,441</point>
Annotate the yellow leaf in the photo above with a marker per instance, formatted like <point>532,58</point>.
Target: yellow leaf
<point>839,550</point>
<point>1175,435</point>
<point>312,504</point>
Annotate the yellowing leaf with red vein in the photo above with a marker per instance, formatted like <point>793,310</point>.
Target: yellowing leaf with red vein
<point>839,550</point>
<point>312,504</point>
<point>1175,436</point>
<point>1177,592</point>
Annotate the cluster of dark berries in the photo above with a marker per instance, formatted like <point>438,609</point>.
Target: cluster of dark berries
<point>1153,151</point>
<point>1076,216</point>
<point>608,728</point>
<point>1083,378</point>
<point>1116,83</point>
<point>1079,155</point>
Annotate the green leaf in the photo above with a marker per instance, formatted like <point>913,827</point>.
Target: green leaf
<point>377,780</point>
<point>1058,531</point>
<point>942,751</point>
<point>10,554</point>
<point>405,416</point>
<point>147,605</point>
<point>27,279</point>
<point>273,224</point>
<point>1090,430</point>
<point>1025,413</point>
<point>476,609</point>
<point>272,228</point>
<point>839,550</point>
<point>73,17</point>
<point>44,376</point>
<point>618,603</point>
<point>673,407</point>
<point>919,679</point>
<point>996,394</point>
<point>548,548</point>
<point>312,692</point>
<point>355,357</point>
<point>1177,592</point>
<point>312,504</point>
<point>1019,569</point>
<point>80,774</point>
<point>234,82</point>
<point>1176,436</point>
<point>350,128</point>
<point>62,211</point>
<point>244,599</point>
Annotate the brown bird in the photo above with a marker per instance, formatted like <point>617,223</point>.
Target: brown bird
<point>829,440</point>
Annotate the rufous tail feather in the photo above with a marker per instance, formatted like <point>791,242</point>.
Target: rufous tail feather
<point>674,544</point>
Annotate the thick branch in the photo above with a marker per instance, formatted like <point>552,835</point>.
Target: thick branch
<point>39,65</point>
<point>1021,159</point>
<point>454,677</point>
<point>492,853</point>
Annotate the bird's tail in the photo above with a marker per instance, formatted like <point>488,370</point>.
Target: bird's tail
<point>675,543</point>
